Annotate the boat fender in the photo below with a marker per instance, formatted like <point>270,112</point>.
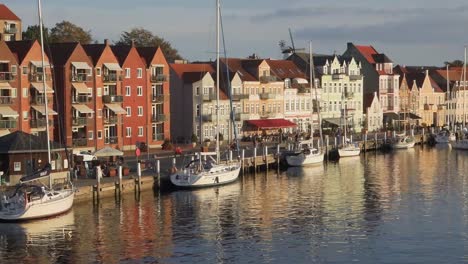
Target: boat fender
<point>173,170</point>
<point>216,180</point>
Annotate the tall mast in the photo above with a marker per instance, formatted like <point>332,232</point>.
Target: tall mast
<point>449,120</point>
<point>44,86</point>
<point>217,81</point>
<point>312,86</point>
<point>464,81</point>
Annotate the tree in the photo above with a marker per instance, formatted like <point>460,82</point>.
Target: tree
<point>33,33</point>
<point>145,38</point>
<point>455,63</point>
<point>66,31</point>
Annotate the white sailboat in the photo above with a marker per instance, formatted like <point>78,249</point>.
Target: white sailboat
<point>31,199</point>
<point>305,153</point>
<point>403,142</point>
<point>348,149</point>
<point>446,136</point>
<point>207,171</point>
<point>462,143</point>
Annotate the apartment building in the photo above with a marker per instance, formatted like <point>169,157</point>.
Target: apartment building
<point>10,25</point>
<point>9,82</point>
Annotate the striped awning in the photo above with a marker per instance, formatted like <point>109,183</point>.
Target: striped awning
<point>116,108</point>
<point>81,65</point>
<point>84,109</point>
<point>81,88</point>
<point>6,111</point>
<point>112,66</point>
<point>39,63</point>
<point>40,87</point>
<point>41,109</point>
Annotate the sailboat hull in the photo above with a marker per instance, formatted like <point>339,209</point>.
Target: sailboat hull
<point>460,144</point>
<point>302,159</point>
<point>218,175</point>
<point>349,152</point>
<point>52,203</point>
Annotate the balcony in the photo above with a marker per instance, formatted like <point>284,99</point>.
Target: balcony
<point>158,78</point>
<point>158,118</point>
<point>427,106</point>
<point>39,122</point>
<point>238,97</point>
<point>349,95</point>
<point>8,124</point>
<point>11,30</point>
<point>209,97</point>
<point>111,77</point>
<point>5,100</point>
<point>158,137</point>
<point>267,79</point>
<point>241,116</point>
<point>266,96</point>
<point>39,77</point>
<point>337,76</point>
<point>355,77</point>
<point>111,140</point>
<point>441,106</point>
<point>112,99</point>
<point>38,100</point>
<point>6,76</point>
<point>79,121</point>
<point>80,142</point>
<point>81,99</point>
<point>267,114</point>
<point>390,91</point>
<point>303,90</point>
<point>158,98</point>
<point>81,77</point>
<point>207,118</point>
<point>111,120</point>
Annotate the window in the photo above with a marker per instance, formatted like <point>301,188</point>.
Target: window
<point>140,131</point>
<point>139,73</point>
<point>90,134</point>
<point>98,71</point>
<point>25,115</point>
<point>197,90</point>
<point>140,90</point>
<point>13,69</point>
<point>140,111</point>
<point>99,112</point>
<point>99,91</point>
<point>25,70</point>
<point>127,91</point>
<point>25,92</point>
<point>127,72</point>
<point>129,131</point>
<point>99,134</point>
<point>129,111</point>
<point>13,92</point>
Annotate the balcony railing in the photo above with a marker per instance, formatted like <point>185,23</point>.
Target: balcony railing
<point>111,120</point>
<point>8,124</point>
<point>39,122</point>
<point>267,114</point>
<point>158,136</point>
<point>337,76</point>
<point>159,98</point>
<point>39,77</point>
<point>209,97</point>
<point>79,121</point>
<point>111,140</point>
<point>81,77</point>
<point>6,76</point>
<point>427,106</point>
<point>349,94</point>
<point>237,97</point>
<point>266,96</point>
<point>267,79</point>
<point>80,142</point>
<point>355,77</point>
<point>158,78</point>
<point>241,116</point>
<point>6,100</point>
<point>11,30</point>
<point>112,77</point>
<point>81,99</point>
<point>390,91</point>
<point>112,99</point>
<point>158,118</point>
<point>38,100</point>
<point>207,118</point>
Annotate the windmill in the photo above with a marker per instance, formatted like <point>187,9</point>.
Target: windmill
<point>288,50</point>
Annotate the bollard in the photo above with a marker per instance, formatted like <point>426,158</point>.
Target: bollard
<point>139,175</point>
<point>255,159</point>
<point>158,173</point>
<point>412,132</point>
<point>120,179</point>
<point>385,137</point>
<point>422,137</point>
<point>394,134</point>
<point>98,178</point>
<point>277,157</point>
<point>266,157</point>
<point>242,159</point>
<point>336,139</point>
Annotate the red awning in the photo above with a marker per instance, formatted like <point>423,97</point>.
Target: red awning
<point>267,124</point>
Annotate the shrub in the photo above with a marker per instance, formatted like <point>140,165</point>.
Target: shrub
<point>194,138</point>
<point>167,145</point>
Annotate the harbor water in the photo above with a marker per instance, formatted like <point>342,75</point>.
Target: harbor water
<point>406,206</point>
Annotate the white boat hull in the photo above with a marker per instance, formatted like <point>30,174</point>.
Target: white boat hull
<point>54,204</point>
<point>460,144</point>
<point>404,143</point>
<point>302,159</point>
<point>218,175</point>
<point>349,151</point>
<point>442,139</point>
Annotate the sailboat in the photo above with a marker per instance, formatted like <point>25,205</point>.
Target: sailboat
<point>348,149</point>
<point>462,143</point>
<point>445,135</point>
<point>31,198</point>
<point>206,170</point>
<point>305,153</point>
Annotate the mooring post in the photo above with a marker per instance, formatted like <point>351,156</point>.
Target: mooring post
<point>242,159</point>
<point>230,156</point>
<point>98,179</point>
<point>336,142</point>
<point>255,159</point>
<point>139,175</point>
<point>365,142</point>
<point>266,157</point>
<point>277,157</point>
<point>158,173</point>
<point>412,132</point>
<point>422,137</point>
<point>120,179</point>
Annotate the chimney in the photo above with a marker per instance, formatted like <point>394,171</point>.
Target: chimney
<point>133,43</point>
<point>427,72</point>
<point>106,42</point>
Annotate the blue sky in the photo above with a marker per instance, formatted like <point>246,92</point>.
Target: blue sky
<point>416,32</point>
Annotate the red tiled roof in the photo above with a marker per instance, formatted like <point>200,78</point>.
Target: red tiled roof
<point>285,69</point>
<point>7,14</point>
<point>181,68</point>
<point>268,124</point>
<point>236,65</point>
<point>367,52</point>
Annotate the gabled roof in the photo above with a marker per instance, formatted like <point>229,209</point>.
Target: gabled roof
<point>367,52</point>
<point>235,65</point>
<point>121,52</point>
<point>94,51</point>
<point>285,69</point>
<point>60,52</point>
<point>147,53</point>
<point>20,48</point>
<point>7,14</point>
<point>191,77</point>
<point>181,68</point>
<point>368,100</point>
<point>21,142</point>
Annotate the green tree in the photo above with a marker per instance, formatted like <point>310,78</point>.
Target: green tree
<point>66,31</point>
<point>33,33</point>
<point>145,38</point>
<point>455,63</point>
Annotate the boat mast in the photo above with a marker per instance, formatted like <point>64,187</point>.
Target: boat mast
<point>312,86</point>
<point>448,98</point>
<point>44,85</point>
<point>217,81</point>
<point>464,81</point>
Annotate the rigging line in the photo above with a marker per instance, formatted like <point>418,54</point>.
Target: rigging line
<point>228,80</point>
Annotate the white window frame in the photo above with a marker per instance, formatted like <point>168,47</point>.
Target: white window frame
<point>127,73</point>
<point>128,132</point>
<point>128,91</point>
<point>140,110</point>
<point>25,92</point>
<point>91,135</point>
<point>140,131</point>
<point>139,73</point>
<point>129,110</point>
<point>139,90</point>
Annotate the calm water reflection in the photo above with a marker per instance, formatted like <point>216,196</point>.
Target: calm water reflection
<point>404,207</point>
